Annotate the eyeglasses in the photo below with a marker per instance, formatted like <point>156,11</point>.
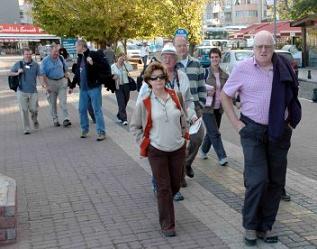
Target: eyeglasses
<point>263,46</point>
<point>159,77</point>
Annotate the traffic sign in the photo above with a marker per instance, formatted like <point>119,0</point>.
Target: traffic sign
<point>181,32</point>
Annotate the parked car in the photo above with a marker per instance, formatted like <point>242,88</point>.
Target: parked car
<point>232,57</point>
<point>291,59</point>
<point>133,53</point>
<point>202,54</point>
<point>297,54</point>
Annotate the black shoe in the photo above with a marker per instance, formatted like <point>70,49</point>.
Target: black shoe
<point>57,124</point>
<point>190,172</point>
<point>250,237</point>
<point>183,183</point>
<point>66,123</point>
<point>169,233</point>
<point>268,237</point>
<point>285,197</point>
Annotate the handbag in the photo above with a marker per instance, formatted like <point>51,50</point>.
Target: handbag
<point>132,84</point>
<point>14,81</point>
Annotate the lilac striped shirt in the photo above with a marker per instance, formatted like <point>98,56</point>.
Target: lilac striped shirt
<point>254,86</point>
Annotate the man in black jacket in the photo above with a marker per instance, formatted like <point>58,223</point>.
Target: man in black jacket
<point>90,67</point>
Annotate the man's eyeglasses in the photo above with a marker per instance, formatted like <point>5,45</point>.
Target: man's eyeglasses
<point>263,46</point>
<point>159,77</point>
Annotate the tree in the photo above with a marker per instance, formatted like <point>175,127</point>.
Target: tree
<point>108,20</point>
<point>295,9</point>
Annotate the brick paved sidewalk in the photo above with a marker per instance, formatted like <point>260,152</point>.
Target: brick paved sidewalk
<point>78,193</point>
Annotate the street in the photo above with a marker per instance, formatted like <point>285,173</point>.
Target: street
<point>78,193</point>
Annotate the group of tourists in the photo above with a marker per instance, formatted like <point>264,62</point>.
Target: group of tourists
<point>178,115</point>
<point>177,93</point>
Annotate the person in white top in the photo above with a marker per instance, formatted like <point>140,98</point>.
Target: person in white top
<point>159,126</point>
<point>120,71</point>
<point>144,53</point>
<point>178,81</point>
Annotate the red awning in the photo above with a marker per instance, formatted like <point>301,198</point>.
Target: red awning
<point>282,29</point>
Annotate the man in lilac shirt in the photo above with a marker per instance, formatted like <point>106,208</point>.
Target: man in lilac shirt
<point>269,111</point>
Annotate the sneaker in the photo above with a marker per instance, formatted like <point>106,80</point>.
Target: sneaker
<point>203,155</point>
<point>66,123</point>
<point>57,124</point>
<point>223,161</point>
<point>250,237</point>
<point>125,122</point>
<point>178,197</point>
<point>27,132</point>
<point>101,136</point>
<point>84,134</point>
<point>36,125</point>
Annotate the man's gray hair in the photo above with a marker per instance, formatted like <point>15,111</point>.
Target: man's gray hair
<point>264,33</point>
<point>26,49</point>
<point>82,43</point>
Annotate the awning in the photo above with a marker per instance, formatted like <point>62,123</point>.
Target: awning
<point>18,37</point>
<point>310,20</point>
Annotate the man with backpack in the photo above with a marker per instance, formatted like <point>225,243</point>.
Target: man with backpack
<point>54,80</point>
<point>92,67</point>
<point>27,70</point>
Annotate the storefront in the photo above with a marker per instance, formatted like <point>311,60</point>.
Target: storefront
<point>14,37</point>
<point>309,32</point>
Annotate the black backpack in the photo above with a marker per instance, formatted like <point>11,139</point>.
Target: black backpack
<point>14,81</point>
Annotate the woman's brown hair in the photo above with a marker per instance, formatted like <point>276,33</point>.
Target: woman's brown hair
<point>151,68</point>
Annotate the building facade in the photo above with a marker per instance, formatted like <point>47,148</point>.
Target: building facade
<point>235,12</point>
<point>9,11</point>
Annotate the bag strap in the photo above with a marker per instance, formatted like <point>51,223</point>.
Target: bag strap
<point>148,126</point>
<point>126,69</point>
<point>21,74</point>
<point>62,60</point>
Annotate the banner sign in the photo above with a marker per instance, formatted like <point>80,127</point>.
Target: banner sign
<point>20,29</point>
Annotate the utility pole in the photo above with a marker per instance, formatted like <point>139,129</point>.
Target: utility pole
<point>275,26</point>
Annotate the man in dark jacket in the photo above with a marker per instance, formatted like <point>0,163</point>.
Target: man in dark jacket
<point>90,66</point>
<point>270,110</point>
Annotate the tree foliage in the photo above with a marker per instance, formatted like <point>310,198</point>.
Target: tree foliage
<point>108,20</point>
<point>295,9</point>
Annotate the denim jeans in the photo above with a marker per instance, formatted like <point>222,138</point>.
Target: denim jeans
<point>213,136</point>
<point>94,95</point>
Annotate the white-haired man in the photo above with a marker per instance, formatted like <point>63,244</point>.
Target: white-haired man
<point>270,109</point>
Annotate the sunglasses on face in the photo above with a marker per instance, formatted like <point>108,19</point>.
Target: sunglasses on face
<point>159,77</point>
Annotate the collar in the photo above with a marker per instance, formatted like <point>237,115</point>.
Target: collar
<point>256,64</point>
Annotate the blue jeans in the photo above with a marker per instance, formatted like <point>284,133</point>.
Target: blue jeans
<point>212,136</point>
<point>94,95</point>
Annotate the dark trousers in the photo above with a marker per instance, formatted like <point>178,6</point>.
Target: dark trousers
<point>195,141</point>
<point>123,96</point>
<point>265,165</point>
<point>213,136</point>
<point>167,168</point>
